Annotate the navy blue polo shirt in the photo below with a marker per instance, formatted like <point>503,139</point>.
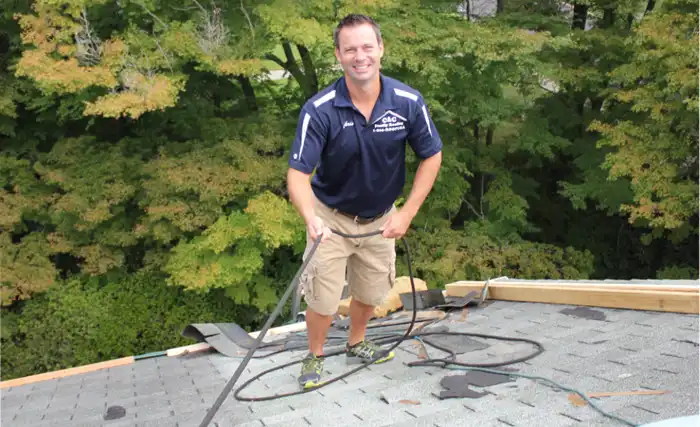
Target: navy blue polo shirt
<point>360,164</point>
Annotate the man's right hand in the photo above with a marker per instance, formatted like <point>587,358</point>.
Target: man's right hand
<point>316,228</point>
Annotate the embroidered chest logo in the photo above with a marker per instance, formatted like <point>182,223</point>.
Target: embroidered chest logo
<point>389,122</point>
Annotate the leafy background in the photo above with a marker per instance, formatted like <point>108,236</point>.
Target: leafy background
<point>144,145</point>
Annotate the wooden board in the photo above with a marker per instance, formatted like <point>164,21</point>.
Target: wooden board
<point>67,372</point>
<point>622,286</point>
<point>594,296</point>
<point>393,302</point>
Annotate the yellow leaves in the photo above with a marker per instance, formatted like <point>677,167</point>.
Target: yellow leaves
<point>62,75</point>
<point>59,243</point>
<point>11,207</point>
<point>26,267</point>
<point>53,63</point>
<point>284,20</point>
<point>275,220</point>
<point>143,94</point>
<point>186,215</point>
<point>58,64</point>
<point>47,30</point>
<point>225,232</point>
<point>98,259</point>
<point>244,67</point>
<point>649,157</point>
<point>229,253</point>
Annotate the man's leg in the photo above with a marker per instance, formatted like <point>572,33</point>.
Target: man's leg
<point>371,274</point>
<point>360,313</point>
<point>317,330</point>
<point>323,281</point>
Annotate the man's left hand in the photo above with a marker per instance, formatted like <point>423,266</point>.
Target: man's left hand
<point>396,226</point>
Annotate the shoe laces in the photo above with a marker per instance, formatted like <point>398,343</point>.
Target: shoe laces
<point>312,363</point>
<point>365,349</point>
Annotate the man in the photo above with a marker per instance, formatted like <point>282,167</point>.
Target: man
<point>354,134</point>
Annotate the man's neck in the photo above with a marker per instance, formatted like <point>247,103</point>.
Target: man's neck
<point>364,94</point>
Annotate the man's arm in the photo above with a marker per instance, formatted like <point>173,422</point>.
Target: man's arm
<point>422,184</point>
<point>306,150</point>
<point>425,140</point>
<point>300,194</point>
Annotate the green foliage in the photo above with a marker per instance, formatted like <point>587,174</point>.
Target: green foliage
<point>473,255</point>
<point>26,266</point>
<point>230,253</point>
<point>655,144</point>
<point>677,273</point>
<point>77,322</point>
<point>144,155</point>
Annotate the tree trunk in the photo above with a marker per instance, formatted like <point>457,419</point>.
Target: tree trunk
<point>309,70</point>
<point>596,104</point>
<point>466,5</point>
<point>292,67</point>
<point>608,17</point>
<point>580,16</point>
<point>650,6</point>
<point>248,92</point>
<point>500,6</point>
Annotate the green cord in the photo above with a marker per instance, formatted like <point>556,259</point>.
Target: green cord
<point>534,377</point>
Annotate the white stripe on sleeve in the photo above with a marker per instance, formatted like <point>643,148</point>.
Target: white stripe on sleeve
<point>427,122</point>
<point>304,127</point>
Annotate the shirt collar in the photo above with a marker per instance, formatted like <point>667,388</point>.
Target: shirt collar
<point>385,101</point>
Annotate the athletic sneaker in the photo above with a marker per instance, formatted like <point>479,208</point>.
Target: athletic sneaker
<point>365,351</point>
<point>311,368</point>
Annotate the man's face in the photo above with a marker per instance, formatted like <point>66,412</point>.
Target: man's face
<point>359,53</point>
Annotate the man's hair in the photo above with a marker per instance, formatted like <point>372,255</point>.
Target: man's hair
<point>356,19</point>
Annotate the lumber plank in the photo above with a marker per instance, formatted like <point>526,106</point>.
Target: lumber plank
<point>67,372</point>
<point>623,286</point>
<point>676,302</point>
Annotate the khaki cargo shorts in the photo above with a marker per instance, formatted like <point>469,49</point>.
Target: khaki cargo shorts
<point>370,263</point>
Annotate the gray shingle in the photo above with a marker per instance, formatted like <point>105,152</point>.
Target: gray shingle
<point>144,414</point>
<point>95,413</point>
<point>639,350</point>
<point>13,400</point>
<point>234,423</point>
<point>672,404</point>
<point>157,422</point>
<point>429,406</point>
<point>27,418</point>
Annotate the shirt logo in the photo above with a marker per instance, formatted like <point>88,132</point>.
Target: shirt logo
<point>346,124</point>
<point>389,122</point>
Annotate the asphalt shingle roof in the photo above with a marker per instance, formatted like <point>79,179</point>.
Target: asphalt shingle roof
<point>628,350</point>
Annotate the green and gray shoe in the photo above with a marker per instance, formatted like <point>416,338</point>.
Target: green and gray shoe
<point>311,368</point>
<point>364,352</point>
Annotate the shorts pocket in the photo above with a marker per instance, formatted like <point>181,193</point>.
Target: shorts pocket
<point>307,282</point>
<point>392,269</point>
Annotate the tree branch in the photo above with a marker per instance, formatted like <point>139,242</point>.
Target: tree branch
<point>481,198</point>
<point>153,15</point>
<point>201,7</point>
<point>247,17</point>
<point>472,208</point>
<point>274,58</point>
